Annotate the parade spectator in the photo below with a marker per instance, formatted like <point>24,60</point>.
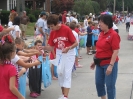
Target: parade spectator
<point>24,21</point>
<point>106,59</point>
<point>64,17</point>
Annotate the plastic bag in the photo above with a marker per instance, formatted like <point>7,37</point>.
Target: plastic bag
<point>47,78</point>
<point>83,40</point>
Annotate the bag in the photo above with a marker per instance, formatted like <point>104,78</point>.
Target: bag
<point>22,84</point>
<point>47,78</point>
<point>97,61</point>
<point>83,40</point>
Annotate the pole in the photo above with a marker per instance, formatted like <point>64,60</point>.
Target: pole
<point>114,6</point>
<point>123,5</point>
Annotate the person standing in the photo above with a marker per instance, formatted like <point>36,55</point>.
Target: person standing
<point>24,21</point>
<point>62,39</point>
<point>106,59</point>
<point>127,21</point>
<point>41,26</point>
<point>64,17</point>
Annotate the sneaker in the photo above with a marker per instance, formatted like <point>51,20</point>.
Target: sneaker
<point>90,53</point>
<point>33,95</point>
<point>61,97</point>
<point>37,94</point>
<point>42,89</point>
<point>65,98</point>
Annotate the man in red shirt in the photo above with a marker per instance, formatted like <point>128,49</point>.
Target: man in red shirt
<point>64,17</point>
<point>62,39</point>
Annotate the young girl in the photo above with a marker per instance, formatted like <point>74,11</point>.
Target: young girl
<point>8,72</point>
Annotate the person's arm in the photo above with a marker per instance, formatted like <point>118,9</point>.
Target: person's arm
<point>8,30</point>
<point>17,34</point>
<point>82,34</point>
<point>30,50</point>
<point>49,48</point>
<point>22,71</point>
<point>13,88</point>
<point>27,65</point>
<point>27,54</point>
<point>40,29</point>
<point>65,50</point>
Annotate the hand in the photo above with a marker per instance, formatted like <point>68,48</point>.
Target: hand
<point>92,66</point>
<point>37,62</point>
<point>65,50</point>
<point>109,70</point>
<point>22,97</point>
<point>23,70</point>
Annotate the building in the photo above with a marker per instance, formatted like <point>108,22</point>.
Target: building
<point>31,4</point>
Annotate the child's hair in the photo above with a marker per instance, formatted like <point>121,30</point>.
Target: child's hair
<point>74,22</point>
<point>7,46</point>
<point>68,24</point>
<point>81,23</point>
<point>38,41</point>
<point>18,40</point>
<point>89,22</point>
<point>72,25</point>
<point>78,25</point>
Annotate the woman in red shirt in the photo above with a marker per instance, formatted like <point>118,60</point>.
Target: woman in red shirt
<point>106,58</point>
<point>62,39</point>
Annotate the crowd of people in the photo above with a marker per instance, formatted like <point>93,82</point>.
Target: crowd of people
<point>59,38</point>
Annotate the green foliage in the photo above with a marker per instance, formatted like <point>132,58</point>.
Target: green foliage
<point>4,16</point>
<point>32,18</point>
<point>85,7</point>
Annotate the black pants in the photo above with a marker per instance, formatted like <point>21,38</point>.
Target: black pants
<point>127,26</point>
<point>35,79</point>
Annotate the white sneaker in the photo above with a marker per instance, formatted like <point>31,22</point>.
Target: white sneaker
<point>65,98</point>
<point>90,53</point>
<point>61,97</point>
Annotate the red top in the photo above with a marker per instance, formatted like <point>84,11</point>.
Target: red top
<point>106,44</point>
<point>61,38</point>
<point>77,30</point>
<point>63,18</point>
<point>6,72</point>
<point>1,28</point>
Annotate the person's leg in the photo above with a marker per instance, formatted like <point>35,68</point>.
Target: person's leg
<point>110,81</point>
<point>100,82</point>
<point>52,72</point>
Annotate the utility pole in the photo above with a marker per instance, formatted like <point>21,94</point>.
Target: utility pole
<point>114,6</point>
<point>123,5</point>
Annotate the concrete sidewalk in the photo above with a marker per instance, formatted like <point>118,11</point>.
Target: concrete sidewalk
<point>83,86</point>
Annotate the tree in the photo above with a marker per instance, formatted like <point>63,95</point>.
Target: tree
<point>59,6</point>
<point>85,7</point>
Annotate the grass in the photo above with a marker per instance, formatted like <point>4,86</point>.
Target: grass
<point>30,29</point>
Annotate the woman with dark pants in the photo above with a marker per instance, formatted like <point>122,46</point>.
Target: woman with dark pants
<point>106,59</point>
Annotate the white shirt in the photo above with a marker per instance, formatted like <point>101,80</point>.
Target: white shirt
<point>15,60</point>
<point>85,23</point>
<point>71,18</point>
<point>68,19</point>
<point>114,27</point>
<point>75,35</point>
<point>127,19</point>
<point>10,24</point>
<point>16,29</point>
<point>76,20</point>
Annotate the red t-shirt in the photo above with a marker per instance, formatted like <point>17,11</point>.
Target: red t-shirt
<point>63,18</point>
<point>61,38</point>
<point>106,44</point>
<point>1,28</point>
<point>6,72</point>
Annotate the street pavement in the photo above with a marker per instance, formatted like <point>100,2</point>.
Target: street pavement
<point>83,86</point>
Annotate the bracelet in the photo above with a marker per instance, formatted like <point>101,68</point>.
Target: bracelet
<point>111,64</point>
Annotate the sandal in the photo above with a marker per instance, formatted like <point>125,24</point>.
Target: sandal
<point>33,95</point>
<point>79,66</point>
